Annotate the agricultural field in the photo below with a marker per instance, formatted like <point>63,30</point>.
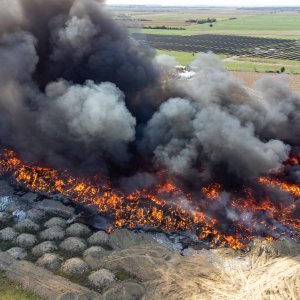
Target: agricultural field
<point>249,79</point>
<point>242,64</point>
<point>226,44</point>
<point>260,23</point>
<point>272,26</point>
<point>260,40</point>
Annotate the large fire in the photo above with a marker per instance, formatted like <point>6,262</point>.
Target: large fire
<point>168,207</point>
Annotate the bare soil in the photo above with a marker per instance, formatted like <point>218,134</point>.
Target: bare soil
<point>249,78</point>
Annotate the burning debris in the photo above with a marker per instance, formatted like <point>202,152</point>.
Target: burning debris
<point>147,149</point>
<point>169,208</point>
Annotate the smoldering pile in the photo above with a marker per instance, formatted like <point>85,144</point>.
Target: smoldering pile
<point>77,92</point>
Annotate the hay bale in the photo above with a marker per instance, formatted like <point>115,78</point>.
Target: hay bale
<point>78,230</point>
<point>56,221</point>
<point>44,248</point>
<point>73,245</point>
<point>75,266</point>
<point>99,238</point>
<point>101,278</point>
<point>49,261</point>
<point>55,233</point>
<point>8,234</point>
<point>17,253</point>
<point>26,240</point>
<point>27,225</point>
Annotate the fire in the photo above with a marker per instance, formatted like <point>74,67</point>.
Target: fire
<point>235,244</point>
<point>166,206</point>
<point>293,189</point>
<point>293,161</point>
<point>212,191</point>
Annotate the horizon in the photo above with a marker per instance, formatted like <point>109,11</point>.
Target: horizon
<point>213,3</point>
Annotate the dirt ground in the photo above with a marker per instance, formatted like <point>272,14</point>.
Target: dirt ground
<point>250,77</point>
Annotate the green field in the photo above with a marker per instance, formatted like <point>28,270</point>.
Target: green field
<point>11,291</point>
<point>182,16</point>
<point>262,23</point>
<point>279,26</point>
<point>183,58</point>
<point>240,64</point>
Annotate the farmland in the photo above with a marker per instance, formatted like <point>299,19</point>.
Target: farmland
<point>227,45</point>
<point>249,79</point>
<point>245,64</point>
<point>260,26</point>
<point>260,23</point>
<point>251,40</point>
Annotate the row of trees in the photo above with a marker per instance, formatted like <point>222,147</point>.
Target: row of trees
<point>202,21</point>
<point>164,27</point>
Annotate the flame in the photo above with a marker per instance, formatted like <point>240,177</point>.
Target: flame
<point>212,191</point>
<point>291,188</point>
<point>166,206</point>
<point>293,161</point>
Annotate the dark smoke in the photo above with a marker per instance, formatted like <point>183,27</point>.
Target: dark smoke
<point>221,127</point>
<point>69,76</point>
<point>77,92</point>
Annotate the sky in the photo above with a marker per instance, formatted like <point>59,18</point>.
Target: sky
<point>210,2</point>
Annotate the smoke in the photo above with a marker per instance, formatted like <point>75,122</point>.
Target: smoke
<point>77,91</point>
<point>222,128</point>
<point>69,76</point>
<point>212,136</point>
<point>94,116</point>
<point>139,181</point>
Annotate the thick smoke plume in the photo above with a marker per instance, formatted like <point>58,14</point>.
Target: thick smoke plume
<point>69,76</point>
<point>77,92</point>
<point>221,127</point>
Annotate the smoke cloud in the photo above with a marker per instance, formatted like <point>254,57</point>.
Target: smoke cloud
<point>76,91</point>
<point>212,136</point>
<point>221,127</point>
<point>69,76</point>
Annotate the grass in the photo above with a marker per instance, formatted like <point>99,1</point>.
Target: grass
<point>260,23</point>
<point>272,26</point>
<point>11,291</point>
<point>181,15</point>
<point>245,66</point>
<point>65,254</point>
<point>184,58</point>
<point>263,65</point>
<point>123,275</point>
<point>78,279</point>
<point>8,223</point>
<point>269,60</point>
<point>6,245</point>
<point>242,64</point>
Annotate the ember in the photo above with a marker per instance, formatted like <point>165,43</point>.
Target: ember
<point>167,207</point>
<point>293,189</point>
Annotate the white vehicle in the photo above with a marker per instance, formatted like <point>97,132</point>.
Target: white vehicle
<point>272,51</point>
<point>180,68</point>
<point>257,50</point>
<point>187,74</point>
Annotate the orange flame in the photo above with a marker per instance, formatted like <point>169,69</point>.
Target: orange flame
<point>293,189</point>
<point>153,208</point>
